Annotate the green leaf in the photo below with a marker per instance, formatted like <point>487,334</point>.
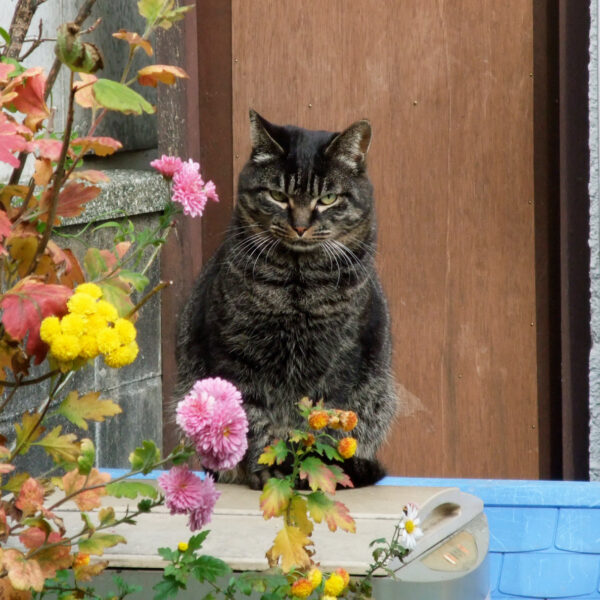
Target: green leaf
<point>145,505</point>
<point>145,457</point>
<point>150,9</point>
<point>86,459</point>
<point>5,35</point>
<point>168,554</point>
<point>96,543</point>
<point>116,96</point>
<point>94,263</point>
<point>131,489</point>
<point>196,541</point>
<point>113,292</point>
<point>77,409</point>
<point>329,451</point>
<point>167,588</point>
<point>209,568</point>
<point>275,497</point>
<point>137,280</point>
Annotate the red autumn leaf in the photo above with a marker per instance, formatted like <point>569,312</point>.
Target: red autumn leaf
<point>31,497</point>
<point>102,146</point>
<point>134,39</point>
<point>5,70</point>
<point>10,141</point>
<point>152,74</point>
<point>5,225</point>
<point>54,558</point>
<point>72,198</point>
<point>33,537</point>
<point>46,148</point>
<point>26,305</point>
<point>30,97</point>
<point>90,175</point>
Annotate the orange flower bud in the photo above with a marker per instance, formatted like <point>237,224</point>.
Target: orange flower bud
<point>81,560</point>
<point>301,588</point>
<point>344,575</point>
<point>318,419</point>
<point>334,420</point>
<point>309,441</point>
<point>348,420</point>
<point>347,447</point>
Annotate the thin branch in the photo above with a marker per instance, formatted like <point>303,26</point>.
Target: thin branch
<point>36,42</point>
<point>82,15</point>
<point>160,286</point>
<point>57,183</point>
<point>16,384</point>
<point>12,393</point>
<point>19,26</point>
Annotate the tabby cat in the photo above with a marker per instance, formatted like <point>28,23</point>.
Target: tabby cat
<point>291,305</point>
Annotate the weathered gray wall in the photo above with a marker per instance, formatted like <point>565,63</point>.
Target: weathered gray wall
<point>594,185</point>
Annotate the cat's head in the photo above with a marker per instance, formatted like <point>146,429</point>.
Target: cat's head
<point>305,187</point>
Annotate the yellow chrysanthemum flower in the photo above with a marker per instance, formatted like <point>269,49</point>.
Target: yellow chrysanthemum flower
<point>126,330</point>
<point>107,310</point>
<point>315,577</point>
<point>91,289</point>
<point>301,588</point>
<point>81,304</point>
<point>344,575</point>
<point>108,340</point>
<point>89,346</point>
<point>73,324</point>
<point>122,356</point>
<point>49,329</point>
<point>347,447</point>
<point>334,585</point>
<point>65,347</point>
<point>95,323</point>
<point>182,546</point>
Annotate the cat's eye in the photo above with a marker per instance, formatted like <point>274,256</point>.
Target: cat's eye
<point>328,199</point>
<point>278,196</point>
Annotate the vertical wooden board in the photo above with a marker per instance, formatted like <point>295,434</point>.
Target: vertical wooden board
<point>448,90</point>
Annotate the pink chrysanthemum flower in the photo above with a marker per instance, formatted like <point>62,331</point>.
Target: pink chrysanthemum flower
<point>225,442</point>
<point>184,490</point>
<point>188,189</point>
<point>202,514</point>
<point>167,166</point>
<point>211,191</point>
<point>211,415</point>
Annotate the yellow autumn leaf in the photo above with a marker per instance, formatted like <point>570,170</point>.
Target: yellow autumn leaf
<point>60,447</point>
<point>152,74</point>
<point>88,407</point>
<point>275,497</point>
<point>298,515</point>
<point>290,550</point>
<point>29,431</point>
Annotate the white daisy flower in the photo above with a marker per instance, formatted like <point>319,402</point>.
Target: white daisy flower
<point>410,530</point>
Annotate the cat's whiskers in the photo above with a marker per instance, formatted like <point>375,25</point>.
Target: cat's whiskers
<point>260,246</point>
<point>268,248</point>
<point>349,255</point>
<point>333,254</point>
<point>242,247</point>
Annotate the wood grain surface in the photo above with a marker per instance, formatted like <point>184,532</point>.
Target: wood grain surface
<point>448,88</point>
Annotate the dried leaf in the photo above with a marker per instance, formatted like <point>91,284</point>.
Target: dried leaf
<point>289,550</point>
<point>86,572</point>
<point>72,198</point>
<point>43,171</point>
<point>55,558</point>
<point>152,74</point>
<point>7,591</point>
<point>102,146</point>
<point>134,39</point>
<point>79,410</point>
<point>23,574</point>
<point>73,481</point>
<point>90,175</point>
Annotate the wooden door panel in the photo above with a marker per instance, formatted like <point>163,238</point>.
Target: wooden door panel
<point>448,89</point>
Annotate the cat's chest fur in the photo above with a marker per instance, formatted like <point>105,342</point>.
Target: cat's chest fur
<point>298,335</point>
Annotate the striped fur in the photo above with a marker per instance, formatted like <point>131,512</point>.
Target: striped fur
<point>291,305</point>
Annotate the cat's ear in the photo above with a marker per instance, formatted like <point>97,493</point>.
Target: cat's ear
<point>262,135</point>
<point>351,146</point>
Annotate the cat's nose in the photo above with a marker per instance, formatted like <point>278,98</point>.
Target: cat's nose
<point>300,230</point>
